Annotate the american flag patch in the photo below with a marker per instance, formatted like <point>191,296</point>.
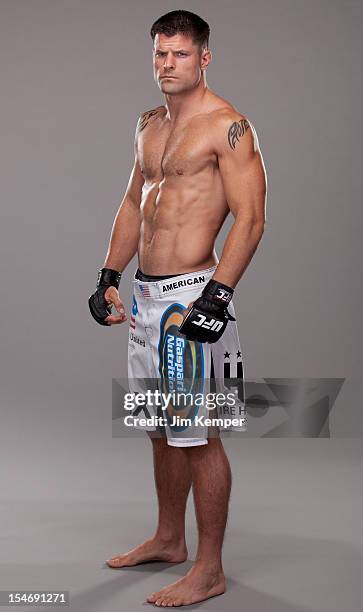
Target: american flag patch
<point>144,290</point>
<point>132,322</point>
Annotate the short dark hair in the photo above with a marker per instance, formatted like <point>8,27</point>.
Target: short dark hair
<point>182,22</point>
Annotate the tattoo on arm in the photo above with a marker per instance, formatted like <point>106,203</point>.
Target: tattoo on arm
<point>144,119</point>
<point>236,131</point>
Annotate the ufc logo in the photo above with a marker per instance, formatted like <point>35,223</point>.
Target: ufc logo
<point>223,296</point>
<point>212,325</point>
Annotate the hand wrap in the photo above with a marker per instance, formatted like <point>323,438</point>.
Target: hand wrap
<point>208,317</point>
<point>98,306</point>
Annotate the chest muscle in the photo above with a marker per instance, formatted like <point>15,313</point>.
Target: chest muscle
<point>182,152</point>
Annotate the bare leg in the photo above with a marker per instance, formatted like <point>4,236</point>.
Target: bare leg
<point>173,482</point>
<point>211,476</point>
<point>212,482</point>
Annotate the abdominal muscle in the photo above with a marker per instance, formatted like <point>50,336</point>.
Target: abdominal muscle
<point>179,225</point>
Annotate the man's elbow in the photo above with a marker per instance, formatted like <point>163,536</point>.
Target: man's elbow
<point>257,224</point>
<point>259,215</point>
<point>251,223</point>
<point>258,229</point>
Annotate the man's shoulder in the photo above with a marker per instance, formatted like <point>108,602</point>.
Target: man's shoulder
<point>229,124</point>
<point>222,110</point>
<point>227,115</point>
<point>149,116</point>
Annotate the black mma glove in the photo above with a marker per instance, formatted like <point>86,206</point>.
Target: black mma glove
<point>98,306</point>
<point>208,317</point>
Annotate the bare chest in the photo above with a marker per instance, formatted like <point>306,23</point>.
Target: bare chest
<point>179,152</point>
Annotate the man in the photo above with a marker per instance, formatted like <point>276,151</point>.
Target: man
<point>196,160</point>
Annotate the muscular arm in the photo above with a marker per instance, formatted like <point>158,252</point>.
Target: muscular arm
<point>244,181</point>
<point>126,227</point>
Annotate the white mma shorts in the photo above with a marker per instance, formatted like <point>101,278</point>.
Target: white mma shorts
<point>157,350</point>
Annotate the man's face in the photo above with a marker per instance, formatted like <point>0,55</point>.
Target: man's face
<point>178,63</point>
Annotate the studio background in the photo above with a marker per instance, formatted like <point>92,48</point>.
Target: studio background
<point>76,75</point>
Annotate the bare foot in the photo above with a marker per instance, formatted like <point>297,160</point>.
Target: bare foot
<point>198,584</point>
<point>151,550</point>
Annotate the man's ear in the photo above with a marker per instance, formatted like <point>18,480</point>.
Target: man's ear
<point>206,58</point>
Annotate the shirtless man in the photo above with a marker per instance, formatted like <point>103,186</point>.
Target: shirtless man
<point>196,159</point>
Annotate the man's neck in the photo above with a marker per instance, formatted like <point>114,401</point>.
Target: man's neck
<point>187,103</point>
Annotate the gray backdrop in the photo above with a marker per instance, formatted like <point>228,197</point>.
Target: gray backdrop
<point>75,75</point>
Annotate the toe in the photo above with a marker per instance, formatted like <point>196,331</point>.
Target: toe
<point>113,562</point>
<point>152,598</point>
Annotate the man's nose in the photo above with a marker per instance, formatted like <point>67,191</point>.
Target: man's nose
<point>169,62</point>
